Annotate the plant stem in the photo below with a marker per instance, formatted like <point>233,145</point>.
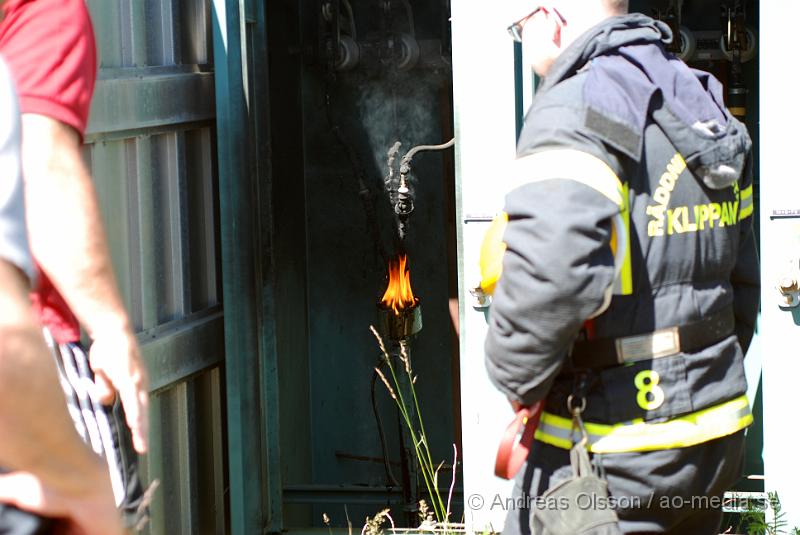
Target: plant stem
<point>421,446</point>
<point>437,496</point>
<point>426,469</point>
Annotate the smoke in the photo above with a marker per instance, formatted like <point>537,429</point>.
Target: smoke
<point>404,109</point>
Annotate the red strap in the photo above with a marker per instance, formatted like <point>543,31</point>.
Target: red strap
<point>512,454</point>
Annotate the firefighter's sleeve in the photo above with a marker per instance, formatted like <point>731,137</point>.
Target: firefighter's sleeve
<point>556,272</point>
<point>745,279</point>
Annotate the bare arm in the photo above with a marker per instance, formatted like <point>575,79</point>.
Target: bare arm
<point>67,239</point>
<point>57,474</point>
<point>34,422</point>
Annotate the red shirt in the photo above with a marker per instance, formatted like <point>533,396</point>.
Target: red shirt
<point>50,50</point>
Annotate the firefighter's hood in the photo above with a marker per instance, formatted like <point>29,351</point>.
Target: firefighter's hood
<point>627,78</point>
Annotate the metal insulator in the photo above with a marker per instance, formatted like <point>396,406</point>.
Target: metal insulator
<point>737,101</point>
<point>408,52</point>
<point>348,54</point>
<point>400,326</point>
<point>747,52</point>
<point>405,201</point>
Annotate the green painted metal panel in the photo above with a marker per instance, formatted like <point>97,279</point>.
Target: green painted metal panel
<point>106,17</point>
<point>270,265</point>
<point>239,284</point>
<point>150,145</point>
<point>178,350</point>
<point>289,217</point>
<point>136,99</point>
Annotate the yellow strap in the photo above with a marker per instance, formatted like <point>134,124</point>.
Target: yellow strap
<point>638,435</point>
<point>568,164</point>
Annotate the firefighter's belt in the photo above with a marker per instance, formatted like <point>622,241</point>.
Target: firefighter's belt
<point>639,435</point>
<point>607,352</point>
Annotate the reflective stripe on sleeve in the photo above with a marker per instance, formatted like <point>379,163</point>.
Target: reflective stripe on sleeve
<point>568,164</point>
<point>591,171</point>
<point>623,284</point>
<point>746,202</point>
<point>680,432</point>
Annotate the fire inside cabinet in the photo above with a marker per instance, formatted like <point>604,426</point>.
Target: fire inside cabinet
<point>718,36</point>
<point>352,113</point>
<point>311,96</point>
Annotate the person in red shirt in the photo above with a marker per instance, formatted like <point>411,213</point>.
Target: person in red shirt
<point>50,50</point>
<point>38,436</point>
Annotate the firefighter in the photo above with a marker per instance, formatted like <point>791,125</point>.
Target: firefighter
<point>624,277</point>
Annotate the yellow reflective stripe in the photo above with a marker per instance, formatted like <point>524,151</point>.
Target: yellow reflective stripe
<point>591,171</point>
<point>625,285</point>
<point>746,202</point>
<point>568,164</point>
<point>680,432</point>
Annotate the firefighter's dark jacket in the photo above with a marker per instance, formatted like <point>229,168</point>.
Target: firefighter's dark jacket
<point>616,98</point>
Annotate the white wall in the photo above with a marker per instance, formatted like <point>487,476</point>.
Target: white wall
<point>483,81</point>
<point>780,247</point>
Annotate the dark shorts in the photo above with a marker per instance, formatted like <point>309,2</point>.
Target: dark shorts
<point>104,429</point>
<point>676,491</point>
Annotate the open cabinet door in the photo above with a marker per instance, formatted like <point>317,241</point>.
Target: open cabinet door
<point>255,497</point>
<point>486,104</point>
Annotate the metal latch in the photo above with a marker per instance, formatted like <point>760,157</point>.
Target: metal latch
<point>790,292</point>
<point>480,299</point>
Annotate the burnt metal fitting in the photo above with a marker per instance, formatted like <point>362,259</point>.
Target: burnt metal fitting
<point>389,181</point>
<point>405,200</point>
<point>404,203</point>
<point>402,325</point>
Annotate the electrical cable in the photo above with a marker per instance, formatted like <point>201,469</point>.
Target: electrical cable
<point>405,163</point>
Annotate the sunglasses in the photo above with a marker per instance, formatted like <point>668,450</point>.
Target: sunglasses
<point>515,30</point>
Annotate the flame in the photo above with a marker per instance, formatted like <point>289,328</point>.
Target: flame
<point>398,294</point>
